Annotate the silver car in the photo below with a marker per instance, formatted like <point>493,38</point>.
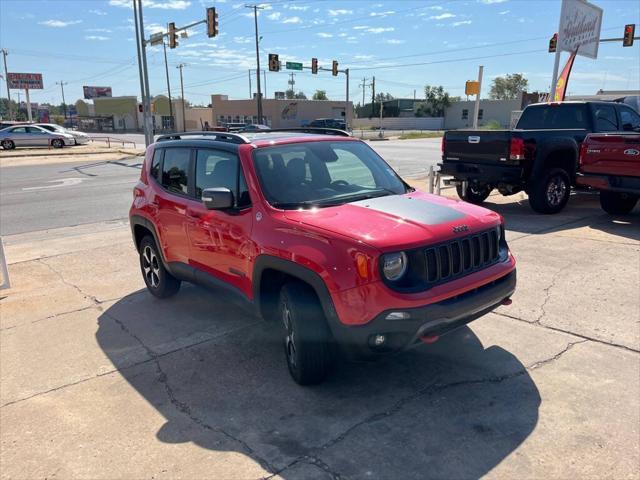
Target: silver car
<point>80,137</point>
<point>32,136</point>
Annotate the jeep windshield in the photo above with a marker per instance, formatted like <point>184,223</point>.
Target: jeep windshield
<point>323,174</point>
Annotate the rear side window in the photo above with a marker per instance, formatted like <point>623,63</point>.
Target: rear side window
<point>552,116</point>
<point>606,119</point>
<point>630,119</point>
<point>175,170</point>
<point>155,163</point>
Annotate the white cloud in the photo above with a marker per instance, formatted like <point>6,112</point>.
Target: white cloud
<point>342,35</point>
<point>380,29</point>
<point>464,22</point>
<point>292,20</point>
<point>324,35</point>
<point>298,7</point>
<point>340,11</point>
<point>504,12</point>
<point>363,57</point>
<point>274,16</point>
<point>489,2</point>
<point>393,41</point>
<point>153,28</point>
<point>382,14</point>
<point>59,23</point>
<point>436,7</point>
<point>98,12</point>
<point>242,40</point>
<point>100,30</point>
<point>162,4</point>
<point>442,16</point>
<point>98,38</point>
<point>360,27</point>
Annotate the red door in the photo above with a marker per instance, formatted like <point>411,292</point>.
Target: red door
<point>220,241</point>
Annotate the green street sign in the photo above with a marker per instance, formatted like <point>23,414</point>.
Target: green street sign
<point>294,66</point>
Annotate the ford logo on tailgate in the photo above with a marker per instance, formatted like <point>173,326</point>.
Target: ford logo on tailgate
<point>631,151</point>
<point>474,139</point>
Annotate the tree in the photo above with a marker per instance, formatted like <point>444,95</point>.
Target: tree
<point>292,95</point>
<point>436,102</point>
<point>320,95</point>
<point>508,87</point>
<point>383,97</point>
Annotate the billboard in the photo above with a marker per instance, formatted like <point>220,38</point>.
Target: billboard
<point>96,92</point>
<point>579,29</point>
<point>25,81</point>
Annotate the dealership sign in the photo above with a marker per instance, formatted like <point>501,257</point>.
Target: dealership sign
<point>25,81</point>
<point>579,29</point>
<point>96,92</point>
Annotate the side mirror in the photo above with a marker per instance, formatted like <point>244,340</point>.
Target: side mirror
<point>219,198</point>
<point>627,127</point>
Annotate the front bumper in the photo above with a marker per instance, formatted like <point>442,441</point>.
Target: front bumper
<point>483,173</point>
<point>431,320</point>
<point>81,140</point>
<point>613,183</point>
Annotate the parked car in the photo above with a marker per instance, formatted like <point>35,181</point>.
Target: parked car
<point>540,156</point>
<point>33,136</point>
<point>255,128</point>
<point>10,123</point>
<point>234,127</point>
<point>328,123</point>
<point>320,235</point>
<point>80,137</point>
<point>610,163</point>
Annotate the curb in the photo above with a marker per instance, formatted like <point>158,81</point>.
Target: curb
<point>50,154</point>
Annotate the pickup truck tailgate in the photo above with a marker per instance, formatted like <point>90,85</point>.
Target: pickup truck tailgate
<point>478,146</point>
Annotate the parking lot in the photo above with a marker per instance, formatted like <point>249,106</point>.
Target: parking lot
<point>101,380</point>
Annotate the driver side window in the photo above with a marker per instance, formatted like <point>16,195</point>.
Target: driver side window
<point>630,120</point>
<point>606,120</point>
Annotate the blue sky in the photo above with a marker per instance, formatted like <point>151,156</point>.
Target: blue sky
<point>404,43</point>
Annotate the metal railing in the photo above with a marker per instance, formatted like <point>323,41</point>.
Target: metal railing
<point>3,269</point>
<point>110,140</point>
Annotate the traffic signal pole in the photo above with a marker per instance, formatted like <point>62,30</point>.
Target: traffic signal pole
<point>6,79</point>
<point>346,104</point>
<point>259,94</point>
<point>144,76</point>
<point>476,110</point>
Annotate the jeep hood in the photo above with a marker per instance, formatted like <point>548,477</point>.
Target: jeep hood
<point>399,221</point>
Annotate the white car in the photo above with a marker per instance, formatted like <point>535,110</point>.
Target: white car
<point>80,137</point>
<point>33,136</point>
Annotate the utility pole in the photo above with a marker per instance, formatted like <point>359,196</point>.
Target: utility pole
<point>166,69</point>
<point>259,96</point>
<point>476,110</point>
<point>364,86</point>
<point>64,103</point>
<point>184,118</point>
<point>346,103</point>
<point>291,83</point>
<point>142,67</point>
<point>373,92</point>
<point>6,78</point>
<point>250,89</point>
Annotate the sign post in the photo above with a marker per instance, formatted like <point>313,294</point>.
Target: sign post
<point>578,31</point>
<point>476,110</point>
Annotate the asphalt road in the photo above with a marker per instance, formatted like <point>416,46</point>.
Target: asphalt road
<point>48,196</point>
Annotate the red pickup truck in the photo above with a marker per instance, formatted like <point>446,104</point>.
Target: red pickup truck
<point>610,162</point>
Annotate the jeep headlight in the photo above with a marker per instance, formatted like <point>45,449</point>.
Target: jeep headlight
<point>394,265</point>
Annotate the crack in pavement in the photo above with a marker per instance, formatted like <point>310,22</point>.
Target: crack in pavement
<point>183,407</point>
<point>93,299</point>
<point>427,390</point>
<point>547,293</point>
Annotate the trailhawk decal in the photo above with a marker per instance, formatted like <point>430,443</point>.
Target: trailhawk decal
<point>412,209</point>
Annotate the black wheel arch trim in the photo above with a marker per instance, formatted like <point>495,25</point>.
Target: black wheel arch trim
<point>548,148</point>
<point>139,220</point>
<point>268,262</point>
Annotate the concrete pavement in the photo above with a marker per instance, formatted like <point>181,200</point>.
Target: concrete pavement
<point>101,380</point>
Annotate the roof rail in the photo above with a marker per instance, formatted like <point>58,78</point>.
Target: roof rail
<point>219,136</point>
<point>317,130</point>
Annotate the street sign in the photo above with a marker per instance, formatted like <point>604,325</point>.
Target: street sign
<point>294,66</point>
<point>156,39</point>
<point>96,92</point>
<point>472,88</point>
<point>580,23</point>
<point>25,81</point>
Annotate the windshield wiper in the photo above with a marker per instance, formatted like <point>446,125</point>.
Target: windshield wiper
<point>295,205</point>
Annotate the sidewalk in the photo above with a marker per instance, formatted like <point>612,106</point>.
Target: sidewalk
<point>77,153</point>
<point>92,366</point>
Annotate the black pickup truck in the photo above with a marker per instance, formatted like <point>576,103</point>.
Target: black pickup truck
<point>540,156</point>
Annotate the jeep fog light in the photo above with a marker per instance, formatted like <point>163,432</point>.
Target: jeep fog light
<point>394,266</point>
<point>379,339</point>
<point>398,316</point>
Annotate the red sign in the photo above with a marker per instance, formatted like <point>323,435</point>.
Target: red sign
<point>96,92</point>
<point>25,81</point>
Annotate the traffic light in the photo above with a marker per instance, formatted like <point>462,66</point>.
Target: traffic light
<point>553,43</point>
<point>274,62</point>
<point>629,32</point>
<point>314,65</point>
<point>334,68</point>
<point>212,22</point>
<point>173,36</point>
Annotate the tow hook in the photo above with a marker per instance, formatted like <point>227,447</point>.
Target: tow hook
<point>507,301</point>
<point>429,339</point>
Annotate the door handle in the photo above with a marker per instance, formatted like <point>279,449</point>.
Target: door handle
<point>194,213</point>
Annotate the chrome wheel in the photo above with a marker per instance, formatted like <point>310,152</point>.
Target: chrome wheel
<point>556,191</point>
<point>151,267</point>
<point>290,339</point>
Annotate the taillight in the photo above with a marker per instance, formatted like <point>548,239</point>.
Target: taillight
<point>516,149</point>
<point>442,145</point>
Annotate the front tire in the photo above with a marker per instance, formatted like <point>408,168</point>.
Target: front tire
<point>8,144</point>
<point>57,143</point>
<point>476,193</point>
<point>159,281</point>
<point>551,191</point>
<point>617,203</point>
<point>307,339</point>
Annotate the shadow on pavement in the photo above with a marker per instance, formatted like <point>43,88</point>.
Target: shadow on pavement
<point>583,210</point>
<point>218,376</point>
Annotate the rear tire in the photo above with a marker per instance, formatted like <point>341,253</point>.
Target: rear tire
<point>617,203</point>
<point>57,143</point>
<point>476,192</point>
<point>307,339</point>
<point>8,144</point>
<point>159,281</point>
<point>551,191</point>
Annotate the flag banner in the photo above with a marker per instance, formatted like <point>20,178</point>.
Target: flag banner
<point>563,79</point>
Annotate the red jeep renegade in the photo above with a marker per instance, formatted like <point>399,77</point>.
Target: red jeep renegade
<point>314,229</point>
